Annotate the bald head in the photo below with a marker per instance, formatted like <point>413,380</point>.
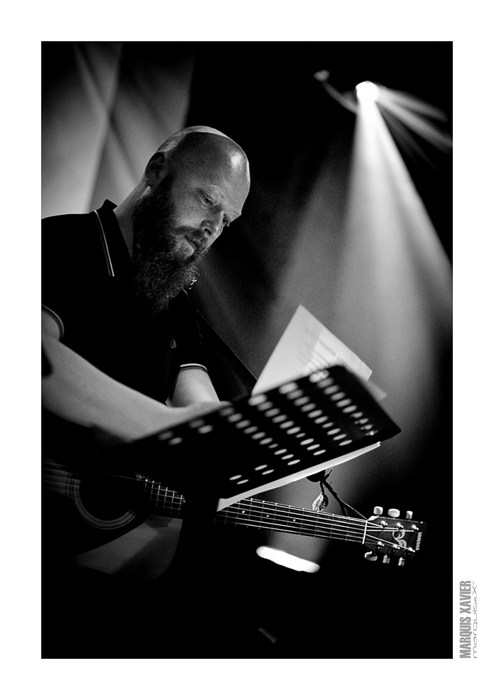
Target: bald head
<point>202,147</point>
<point>187,139</point>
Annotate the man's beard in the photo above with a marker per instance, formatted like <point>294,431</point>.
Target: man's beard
<point>163,266</point>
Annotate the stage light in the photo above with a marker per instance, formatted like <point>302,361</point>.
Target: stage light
<point>289,561</point>
<point>367,91</point>
<point>321,75</point>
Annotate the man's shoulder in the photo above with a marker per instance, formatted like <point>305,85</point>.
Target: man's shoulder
<point>71,224</point>
<point>63,221</point>
<point>72,236</point>
<point>63,228</point>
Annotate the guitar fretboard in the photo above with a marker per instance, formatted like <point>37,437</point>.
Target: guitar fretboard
<point>267,515</point>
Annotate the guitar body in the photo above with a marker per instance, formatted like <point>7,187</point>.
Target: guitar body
<point>102,522</point>
<point>143,553</point>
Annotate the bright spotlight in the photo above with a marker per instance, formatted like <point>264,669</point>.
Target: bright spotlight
<point>367,92</point>
<point>289,561</point>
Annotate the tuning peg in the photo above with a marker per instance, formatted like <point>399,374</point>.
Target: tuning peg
<point>386,559</point>
<point>378,510</point>
<point>409,515</point>
<point>394,513</point>
<point>401,561</point>
<point>370,556</point>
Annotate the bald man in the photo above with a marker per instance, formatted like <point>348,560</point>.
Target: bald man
<point>119,335</point>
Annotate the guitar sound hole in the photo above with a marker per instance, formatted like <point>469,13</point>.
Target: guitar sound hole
<point>109,497</point>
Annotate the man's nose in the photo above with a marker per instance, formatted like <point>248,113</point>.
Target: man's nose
<point>213,225</point>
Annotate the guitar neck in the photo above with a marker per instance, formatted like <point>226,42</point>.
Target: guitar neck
<point>267,515</point>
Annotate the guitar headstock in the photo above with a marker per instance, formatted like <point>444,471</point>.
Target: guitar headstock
<point>392,536</point>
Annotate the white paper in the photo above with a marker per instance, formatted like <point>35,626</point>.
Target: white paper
<point>306,346</point>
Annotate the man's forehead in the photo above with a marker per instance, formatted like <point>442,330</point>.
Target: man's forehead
<point>223,181</point>
<point>234,195</point>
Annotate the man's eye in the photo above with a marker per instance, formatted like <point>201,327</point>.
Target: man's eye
<point>226,222</point>
<point>207,199</point>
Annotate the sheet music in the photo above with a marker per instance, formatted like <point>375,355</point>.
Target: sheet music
<point>305,346</point>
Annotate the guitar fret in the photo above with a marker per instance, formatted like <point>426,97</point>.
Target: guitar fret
<point>162,500</point>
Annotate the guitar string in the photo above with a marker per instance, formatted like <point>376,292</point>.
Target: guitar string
<point>313,524</point>
<point>253,506</point>
<point>320,524</point>
<point>161,496</point>
<point>166,497</point>
<point>175,501</point>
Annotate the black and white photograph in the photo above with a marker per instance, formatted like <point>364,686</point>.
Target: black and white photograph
<point>247,446</point>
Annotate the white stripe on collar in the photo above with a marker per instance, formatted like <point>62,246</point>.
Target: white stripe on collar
<point>106,250</point>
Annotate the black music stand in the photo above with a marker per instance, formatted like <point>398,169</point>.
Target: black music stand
<point>251,444</point>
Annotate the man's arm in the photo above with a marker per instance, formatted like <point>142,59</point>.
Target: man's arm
<point>193,385</point>
<point>79,392</point>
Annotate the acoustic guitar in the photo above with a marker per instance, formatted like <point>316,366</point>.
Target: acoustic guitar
<point>130,525</point>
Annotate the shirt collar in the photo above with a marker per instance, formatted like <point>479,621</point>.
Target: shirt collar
<point>117,248</point>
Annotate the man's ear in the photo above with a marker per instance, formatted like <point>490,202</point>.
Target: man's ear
<point>157,169</point>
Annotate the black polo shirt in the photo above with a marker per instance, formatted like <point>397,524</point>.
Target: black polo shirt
<point>87,286</point>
